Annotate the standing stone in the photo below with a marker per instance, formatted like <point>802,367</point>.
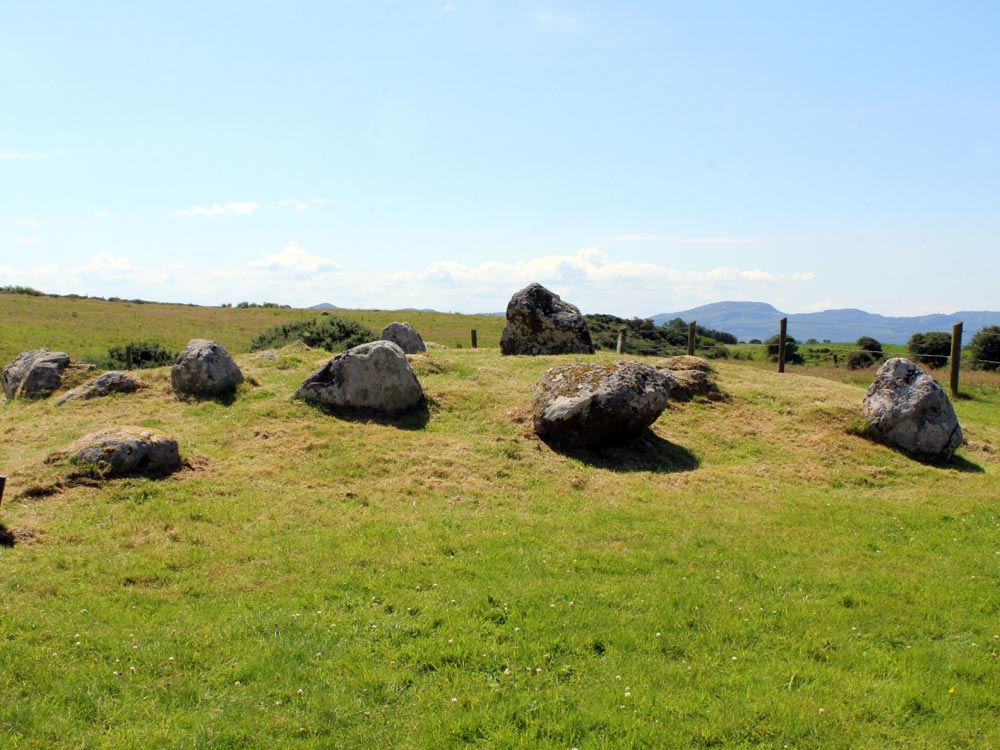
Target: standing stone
<point>114,381</point>
<point>204,369</point>
<point>33,374</point>
<point>373,376</point>
<point>593,404</point>
<point>405,337</point>
<point>539,322</point>
<point>125,451</point>
<point>692,378</point>
<point>905,408</point>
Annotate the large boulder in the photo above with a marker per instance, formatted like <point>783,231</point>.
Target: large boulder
<point>205,369</point>
<point>905,408</point>
<point>587,404</point>
<point>125,451</point>
<point>405,337</point>
<point>114,381</point>
<point>539,322</point>
<point>33,374</point>
<point>692,378</point>
<point>372,376</point>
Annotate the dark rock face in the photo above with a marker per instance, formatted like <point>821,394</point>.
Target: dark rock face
<point>905,408</point>
<point>126,451</point>
<point>587,404</point>
<point>104,385</point>
<point>692,378</point>
<point>539,322</point>
<point>33,374</point>
<point>405,337</point>
<point>204,369</point>
<point>371,376</point>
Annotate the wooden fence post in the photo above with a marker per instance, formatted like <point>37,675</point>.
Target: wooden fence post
<point>3,482</point>
<point>128,357</point>
<point>475,343</point>
<point>620,349</point>
<point>956,356</point>
<point>691,331</point>
<point>782,331</point>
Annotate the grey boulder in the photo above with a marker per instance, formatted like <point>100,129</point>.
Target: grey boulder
<point>906,409</point>
<point>539,322</point>
<point>125,451</point>
<point>114,381</point>
<point>588,404</point>
<point>692,378</point>
<point>373,376</point>
<point>405,337</point>
<point>34,374</point>
<point>205,369</point>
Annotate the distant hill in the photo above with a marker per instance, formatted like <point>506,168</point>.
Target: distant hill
<point>759,320</point>
<point>323,306</point>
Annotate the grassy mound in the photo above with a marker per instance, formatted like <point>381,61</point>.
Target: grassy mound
<point>750,573</point>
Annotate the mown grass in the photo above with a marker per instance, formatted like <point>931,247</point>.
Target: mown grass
<point>751,573</point>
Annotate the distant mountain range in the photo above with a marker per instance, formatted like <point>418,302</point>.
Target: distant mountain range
<point>759,320</point>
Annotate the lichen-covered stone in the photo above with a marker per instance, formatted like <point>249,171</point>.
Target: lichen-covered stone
<point>905,408</point>
<point>33,374</point>
<point>405,337</point>
<point>586,404</point>
<point>114,381</point>
<point>693,377</point>
<point>125,451</point>
<point>539,322</point>
<point>372,376</point>
<point>204,369</point>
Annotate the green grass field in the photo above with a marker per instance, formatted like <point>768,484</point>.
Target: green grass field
<point>750,574</point>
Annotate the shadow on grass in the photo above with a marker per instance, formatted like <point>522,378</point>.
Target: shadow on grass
<point>413,419</point>
<point>6,536</point>
<point>647,451</point>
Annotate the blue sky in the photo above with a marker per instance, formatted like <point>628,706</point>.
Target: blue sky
<point>635,157</point>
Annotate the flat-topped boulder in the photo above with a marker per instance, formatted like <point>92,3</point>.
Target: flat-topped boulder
<point>405,337</point>
<point>373,376</point>
<point>204,369</point>
<point>684,362</point>
<point>124,451</point>
<point>34,374</point>
<point>590,404</point>
<point>111,382</point>
<point>906,409</point>
<point>540,322</point>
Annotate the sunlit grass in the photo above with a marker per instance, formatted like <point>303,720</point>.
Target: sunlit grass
<point>750,574</point>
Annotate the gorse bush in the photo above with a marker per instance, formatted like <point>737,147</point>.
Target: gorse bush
<point>859,360</point>
<point>870,346</point>
<point>792,356</point>
<point>136,355</point>
<point>329,332</point>
<point>931,349</point>
<point>985,348</point>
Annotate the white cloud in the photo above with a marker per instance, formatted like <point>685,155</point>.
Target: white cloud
<point>588,278</point>
<point>28,222</point>
<point>21,157</point>
<point>100,214</point>
<point>233,208</point>
<point>294,261</point>
<point>29,241</point>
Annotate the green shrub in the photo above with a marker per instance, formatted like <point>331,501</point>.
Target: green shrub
<point>14,289</point>
<point>985,348</point>
<point>136,355</point>
<point>931,349</point>
<point>871,346</point>
<point>331,333</point>
<point>859,360</point>
<point>792,356</point>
